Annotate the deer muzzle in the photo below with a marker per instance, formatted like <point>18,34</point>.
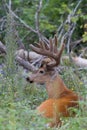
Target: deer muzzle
<point>28,79</point>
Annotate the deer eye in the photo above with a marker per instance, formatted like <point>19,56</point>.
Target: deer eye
<point>41,71</point>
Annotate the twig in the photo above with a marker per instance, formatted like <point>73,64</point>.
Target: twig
<point>77,6</point>
<point>73,44</point>
<point>10,4</point>
<point>83,52</point>
<point>37,17</point>
<point>69,38</point>
<point>2,48</point>
<point>71,28</point>
<point>2,24</point>
<point>27,26</point>
<point>21,21</point>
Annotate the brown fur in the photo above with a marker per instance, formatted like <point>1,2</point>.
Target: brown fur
<point>60,98</point>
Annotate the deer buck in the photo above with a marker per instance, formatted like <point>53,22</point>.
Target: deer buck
<point>60,98</point>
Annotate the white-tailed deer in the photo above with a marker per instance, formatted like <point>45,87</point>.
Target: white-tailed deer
<point>60,97</point>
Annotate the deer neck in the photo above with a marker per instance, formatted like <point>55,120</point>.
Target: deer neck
<point>56,87</point>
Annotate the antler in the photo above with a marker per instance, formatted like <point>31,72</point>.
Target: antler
<point>50,51</point>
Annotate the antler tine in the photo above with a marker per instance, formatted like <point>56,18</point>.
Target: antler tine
<point>51,47</point>
<point>56,56</point>
<point>42,45</point>
<point>41,49</point>
<point>46,44</point>
<point>55,43</point>
<point>38,45</point>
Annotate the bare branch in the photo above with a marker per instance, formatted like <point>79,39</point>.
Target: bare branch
<point>84,52</point>
<point>21,21</point>
<point>71,27</point>
<point>69,38</point>
<point>2,23</point>
<point>19,41</point>
<point>77,6</point>
<point>2,48</point>
<point>25,64</point>
<point>75,43</point>
<point>10,4</point>
<point>37,15</point>
<point>37,23</point>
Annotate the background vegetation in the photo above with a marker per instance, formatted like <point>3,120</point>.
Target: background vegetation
<point>27,21</point>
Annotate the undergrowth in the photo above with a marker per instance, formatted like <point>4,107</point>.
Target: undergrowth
<point>18,105</point>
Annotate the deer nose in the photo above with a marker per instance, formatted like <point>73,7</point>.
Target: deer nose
<point>29,80</point>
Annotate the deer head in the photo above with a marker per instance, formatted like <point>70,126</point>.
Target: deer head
<point>47,71</point>
<point>49,62</point>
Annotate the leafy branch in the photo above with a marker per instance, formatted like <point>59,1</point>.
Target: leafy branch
<point>67,35</point>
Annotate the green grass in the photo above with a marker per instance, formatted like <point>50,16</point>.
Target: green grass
<point>19,99</point>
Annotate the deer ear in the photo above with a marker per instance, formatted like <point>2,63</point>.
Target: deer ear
<point>44,66</point>
<point>45,61</point>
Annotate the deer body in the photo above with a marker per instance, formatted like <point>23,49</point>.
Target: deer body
<point>60,98</point>
<point>52,108</point>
